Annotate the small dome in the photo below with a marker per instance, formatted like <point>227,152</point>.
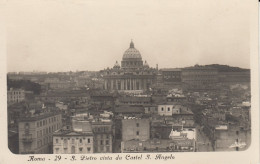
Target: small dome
<point>146,65</point>
<point>116,65</point>
<point>132,53</point>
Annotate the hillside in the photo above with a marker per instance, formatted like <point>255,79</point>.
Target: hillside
<point>226,68</point>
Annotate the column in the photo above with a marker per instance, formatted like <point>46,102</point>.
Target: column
<point>145,84</point>
<point>130,84</point>
<point>108,84</point>
<point>125,84</point>
<point>138,84</point>
<point>142,84</point>
<point>134,84</point>
<point>122,86</point>
<point>105,87</point>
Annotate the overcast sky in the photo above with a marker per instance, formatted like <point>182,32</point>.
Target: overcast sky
<point>64,35</point>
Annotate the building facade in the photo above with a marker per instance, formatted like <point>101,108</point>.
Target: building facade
<point>138,129</point>
<point>103,136</point>
<point>199,78</point>
<point>171,75</point>
<point>72,142</point>
<point>132,75</point>
<point>36,131</point>
<point>15,95</point>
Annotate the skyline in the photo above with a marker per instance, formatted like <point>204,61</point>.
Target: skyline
<point>39,71</point>
<point>58,36</point>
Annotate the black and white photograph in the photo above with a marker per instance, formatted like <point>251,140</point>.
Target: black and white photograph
<point>121,77</point>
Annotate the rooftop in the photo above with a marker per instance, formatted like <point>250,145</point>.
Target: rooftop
<point>129,109</point>
<point>42,115</point>
<point>64,133</point>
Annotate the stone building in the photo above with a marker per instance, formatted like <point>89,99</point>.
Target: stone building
<point>103,136</point>
<point>137,128</point>
<point>158,145</point>
<point>133,75</point>
<point>171,75</point>
<point>36,131</point>
<point>15,95</point>
<point>77,140</point>
<point>72,142</point>
<point>199,78</point>
<point>234,77</point>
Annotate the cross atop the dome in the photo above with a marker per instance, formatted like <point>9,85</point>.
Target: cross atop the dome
<point>132,44</point>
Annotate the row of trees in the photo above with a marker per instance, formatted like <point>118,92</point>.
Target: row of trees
<point>24,84</point>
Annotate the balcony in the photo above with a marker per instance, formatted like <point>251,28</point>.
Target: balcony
<point>27,138</point>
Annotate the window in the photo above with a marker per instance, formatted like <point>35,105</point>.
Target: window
<point>137,124</point>
<point>65,141</point>
<point>26,126</point>
<point>162,109</point>
<point>101,142</point>
<point>89,148</point>
<point>73,140</point>
<point>168,109</point>
<point>72,149</point>
<point>80,140</point>
<point>88,140</point>
<point>57,140</point>
<point>80,149</point>
<point>57,150</point>
<point>107,142</point>
<point>137,133</point>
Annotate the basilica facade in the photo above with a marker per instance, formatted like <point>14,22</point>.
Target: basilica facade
<point>133,74</point>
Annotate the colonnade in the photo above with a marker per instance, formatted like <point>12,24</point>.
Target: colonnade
<point>127,84</point>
